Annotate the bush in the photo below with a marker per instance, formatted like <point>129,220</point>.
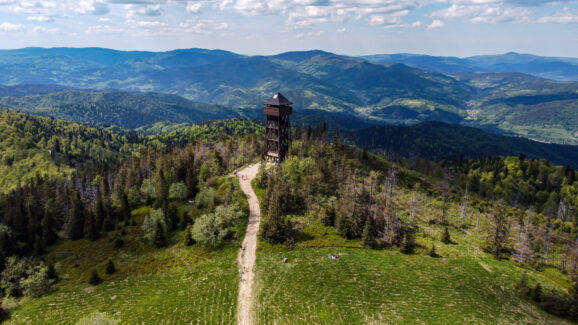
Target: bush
<point>150,224</point>
<point>211,229</point>
<point>408,243</point>
<point>14,270</point>
<point>97,318</point>
<point>178,191</point>
<point>37,283</point>
<point>110,269</point>
<point>446,239</point>
<point>94,278</point>
<point>118,243</point>
<point>432,251</point>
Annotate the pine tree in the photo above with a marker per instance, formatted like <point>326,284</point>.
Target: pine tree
<point>408,243</point>
<point>94,278</point>
<point>48,224</point>
<point>159,239</point>
<point>91,231</point>
<point>76,218</point>
<point>432,251</point>
<point>187,237</point>
<point>274,228</point>
<point>367,236</point>
<point>51,273</point>
<point>110,268</point>
<point>446,239</point>
<point>99,213</point>
<point>162,190</point>
<point>498,231</point>
<point>124,206</point>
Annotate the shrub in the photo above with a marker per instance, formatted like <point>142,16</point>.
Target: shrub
<point>97,318</point>
<point>446,239</point>
<point>432,251</point>
<point>150,224</point>
<point>37,283</point>
<point>110,269</point>
<point>94,278</point>
<point>178,191</point>
<point>211,229</point>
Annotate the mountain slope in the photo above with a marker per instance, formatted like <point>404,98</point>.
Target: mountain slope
<point>440,141</point>
<point>122,109</point>
<point>562,69</point>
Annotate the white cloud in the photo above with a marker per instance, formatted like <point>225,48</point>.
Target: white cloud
<point>201,26</point>
<point>91,7</point>
<point>436,24</point>
<point>415,24</point>
<point>342,30</point>
<point>560,18</point>
<point>144,11</point>
<point>10,27</point>
<point>42,29</point>
<point>103,29</point>
<point>151,24</point>
<point>194,7</point>
<point>40,18</point>
<point>485,11</point>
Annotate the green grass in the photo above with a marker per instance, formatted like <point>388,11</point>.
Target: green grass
<point>464,285</point>
<point>172,285</point>
<point>367,286</point>
<point>198,291</point>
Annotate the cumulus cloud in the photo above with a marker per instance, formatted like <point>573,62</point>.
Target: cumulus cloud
<point>491,12</point>
<point>40,18</point>
<point>10,27</point>
<point>91,7</point>
<point>103,29</point>
<point>201,26</point>
<point>560,18</point>
<point>144,11</point>
<point>436,24</point>
<point>194,7</point>
<point>45,30</point>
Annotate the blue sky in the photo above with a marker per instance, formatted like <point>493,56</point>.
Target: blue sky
<point>437,27</point>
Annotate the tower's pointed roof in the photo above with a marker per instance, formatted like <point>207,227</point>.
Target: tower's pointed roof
<point>278,100</point>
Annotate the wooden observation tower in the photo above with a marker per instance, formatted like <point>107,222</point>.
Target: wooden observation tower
<point>278,129</point>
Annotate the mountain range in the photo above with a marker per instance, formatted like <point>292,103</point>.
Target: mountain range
<point>493,93</point>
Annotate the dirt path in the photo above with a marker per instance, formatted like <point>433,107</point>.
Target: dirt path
<point>246,257</point>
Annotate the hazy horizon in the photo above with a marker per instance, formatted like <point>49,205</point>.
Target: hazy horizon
<point>459,28</point>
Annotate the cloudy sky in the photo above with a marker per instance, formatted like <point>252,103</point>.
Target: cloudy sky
<point>437,27</point>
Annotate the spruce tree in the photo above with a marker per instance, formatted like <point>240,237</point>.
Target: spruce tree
<point>446,239</point>
<point>159,239</point>
<point>187,237</point>
<point>498,231</point>
<point>367,236</point>
<point>91,231</point>
<point>110,268</point>
<point>94,278</point>
<point>408,243</point>
<point>48,224</point>
<point>124,206</point>
<point>51,273</point>
<point>432,251</point>
<point>76,220</point>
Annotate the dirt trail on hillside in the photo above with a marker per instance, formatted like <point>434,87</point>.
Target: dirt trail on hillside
<point>246,257</point>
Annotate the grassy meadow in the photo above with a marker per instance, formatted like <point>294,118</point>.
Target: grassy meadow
<point>463,285</point>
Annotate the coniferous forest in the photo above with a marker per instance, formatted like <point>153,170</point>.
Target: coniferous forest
<point>124,193</point>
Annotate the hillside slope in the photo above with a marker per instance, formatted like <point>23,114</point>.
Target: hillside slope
<point>441,141</point>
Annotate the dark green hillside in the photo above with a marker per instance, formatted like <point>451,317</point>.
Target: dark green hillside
<point>439,141</point>
<point>32,148</point>
<point>123,109</point>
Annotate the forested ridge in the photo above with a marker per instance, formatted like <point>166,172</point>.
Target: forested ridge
<point>171,191</point>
